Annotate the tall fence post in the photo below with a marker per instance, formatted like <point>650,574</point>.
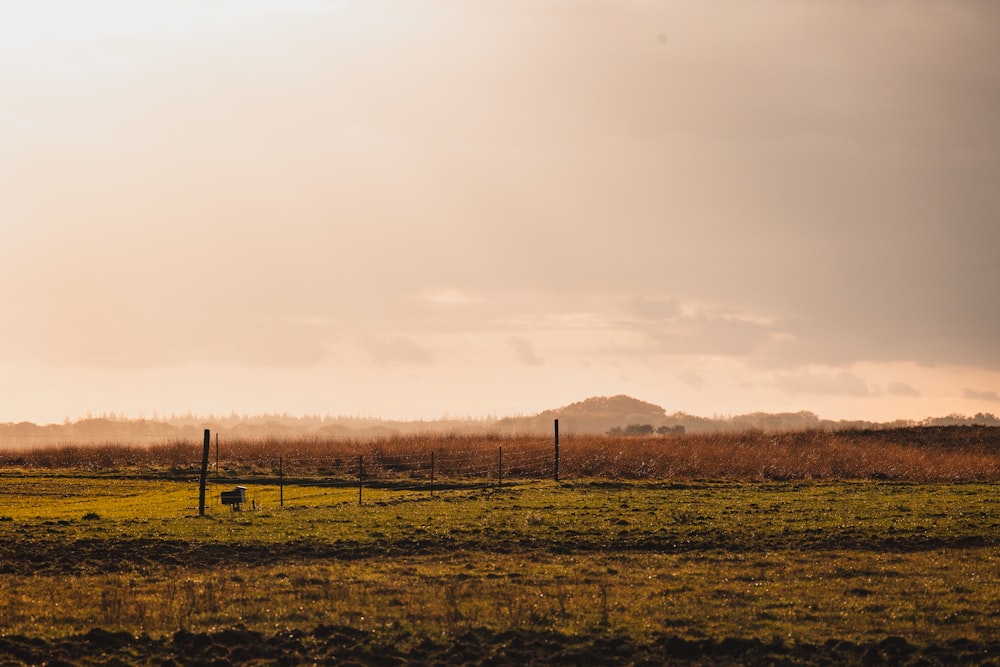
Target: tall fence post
<point>555,461</point>
<point>361,476</point>
<point>281,481</point>
<point>204,473</point>
<point>216,455</point>
<point>500,469</point>
<point>432,474</point>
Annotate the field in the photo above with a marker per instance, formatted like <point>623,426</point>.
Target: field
<point>105,559</point>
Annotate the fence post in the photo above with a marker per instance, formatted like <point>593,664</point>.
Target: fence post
<point>204,473</point>
<point>500,469</point>
<point>555,465</point>
<point>361,475</point>
<point>432,474</point>
<point>216,455</point>
<point>281,481</point>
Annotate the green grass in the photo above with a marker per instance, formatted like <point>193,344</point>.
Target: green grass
<point>811,597</point>
<point>803,561</point>
<point>582,514</point>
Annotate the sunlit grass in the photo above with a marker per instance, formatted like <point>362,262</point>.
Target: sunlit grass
<point>939,595</point>
<point>582,514</point>
<point>805,561</point>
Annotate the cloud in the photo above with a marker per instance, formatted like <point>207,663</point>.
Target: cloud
<point>902,389</point>
<point>115,330</point>
<point>669,329</point>
<point>396,349</point>
<point>975,395</point>
<point>692,379</point>
<point>525,352</point>
<point>839,384</point>
<point>653,309</point>
<point>449,297</point>
<point>181,190</point>
<point>265,342</point>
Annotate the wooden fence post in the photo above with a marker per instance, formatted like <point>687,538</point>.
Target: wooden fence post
<point>500,469</point>
<point>555,465</point>
<point>361,476</point>
<point>281,481</point>
<point>432,474</point>
<point>204,473</point>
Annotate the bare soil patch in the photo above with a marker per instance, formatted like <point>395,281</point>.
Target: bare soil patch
<point>107,556</point>
<point>348,646</point>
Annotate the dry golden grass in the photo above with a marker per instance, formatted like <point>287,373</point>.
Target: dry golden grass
<point>801,455</point>
<point>917,454</point>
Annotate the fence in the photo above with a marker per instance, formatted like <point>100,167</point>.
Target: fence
<point>437,462</point>
<point>430,471</point>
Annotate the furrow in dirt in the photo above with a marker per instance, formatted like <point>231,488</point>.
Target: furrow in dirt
<point>96,556</point>
<point>344,645</point>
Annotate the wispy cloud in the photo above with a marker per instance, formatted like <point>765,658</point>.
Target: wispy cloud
<point>835,384</point>
<point>976,395</point>
<point>671,328</point>
<point>396,349</point>
<point>525,352</point>
<point>902,389</point>
<point>449,296</point>
<point>692,379</point>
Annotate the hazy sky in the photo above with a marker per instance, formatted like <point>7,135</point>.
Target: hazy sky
<point>412,208</point>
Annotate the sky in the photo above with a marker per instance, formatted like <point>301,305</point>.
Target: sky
<point>426,208</point>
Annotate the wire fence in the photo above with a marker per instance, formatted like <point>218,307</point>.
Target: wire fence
<point>310,469</point>
<point>241,473</point>
<point>431,471</point>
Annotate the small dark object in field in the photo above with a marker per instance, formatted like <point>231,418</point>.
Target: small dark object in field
<point>235,498</point>
<point>91,516</point>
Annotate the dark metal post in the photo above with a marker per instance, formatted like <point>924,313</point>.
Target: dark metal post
<point>216,455</point>
<point>281,482</point>
<point>555,465</point>
<point>432,474</point>
<point>204,473</point>
<point>500,469</point>
<point>361,475</point>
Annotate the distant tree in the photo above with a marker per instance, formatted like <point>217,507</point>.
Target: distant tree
<point>639,429</point>
<point>615,430</point>
<point>987,419</point>
<point>956,419</point>
<point>670,430</point>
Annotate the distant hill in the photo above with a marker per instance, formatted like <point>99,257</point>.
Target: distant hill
<point>601,414</point>
<point>593,415</point>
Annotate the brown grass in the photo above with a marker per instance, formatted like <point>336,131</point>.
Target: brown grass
<point>957,453</point>
<point>800,455</point>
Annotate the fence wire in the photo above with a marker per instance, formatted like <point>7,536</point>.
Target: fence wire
<point>312,477</point>
<point>314,472</point>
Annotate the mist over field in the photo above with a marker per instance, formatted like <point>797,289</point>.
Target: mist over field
<point>599,415</point>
